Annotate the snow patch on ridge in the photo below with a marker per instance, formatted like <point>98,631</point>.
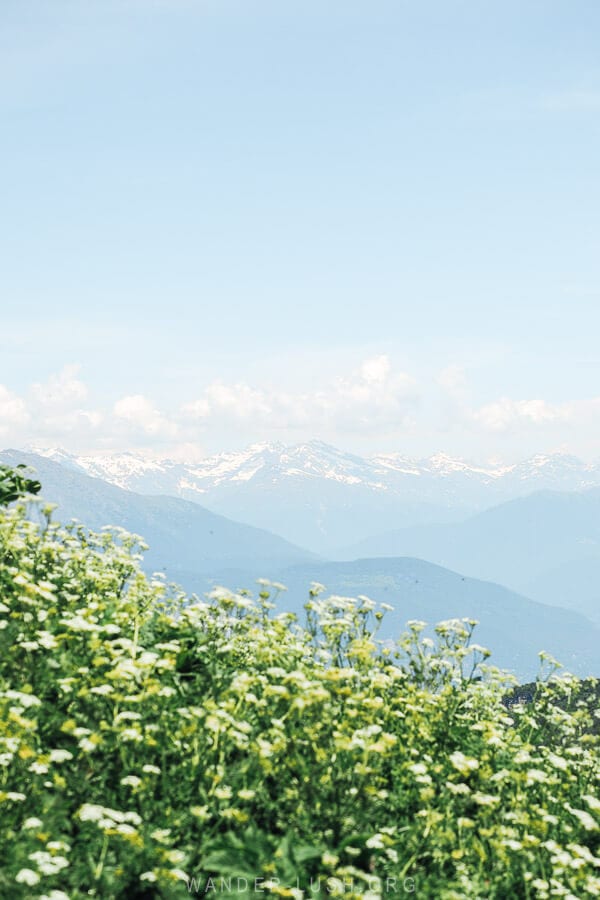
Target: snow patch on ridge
<point>440,478</point>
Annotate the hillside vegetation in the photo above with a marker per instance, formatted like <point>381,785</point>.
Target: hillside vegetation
<point>155,747</point>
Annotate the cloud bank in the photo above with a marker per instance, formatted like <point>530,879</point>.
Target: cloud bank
<point>375,402</point>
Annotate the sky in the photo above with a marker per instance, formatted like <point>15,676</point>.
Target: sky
<point>371,222</point>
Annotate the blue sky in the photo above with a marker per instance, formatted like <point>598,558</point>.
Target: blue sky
<point>370,222</point>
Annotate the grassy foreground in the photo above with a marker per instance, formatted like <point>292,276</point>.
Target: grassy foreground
<point>150,747</point>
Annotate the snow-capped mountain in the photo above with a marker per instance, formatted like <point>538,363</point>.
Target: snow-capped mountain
<point>272,460</point>
<point>320,497</point>
<point>436,478</point>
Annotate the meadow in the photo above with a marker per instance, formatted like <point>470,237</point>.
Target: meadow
<point>154,745</point>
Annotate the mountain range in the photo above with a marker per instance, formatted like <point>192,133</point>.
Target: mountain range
<point>545,545</point>
<point>322,498</point>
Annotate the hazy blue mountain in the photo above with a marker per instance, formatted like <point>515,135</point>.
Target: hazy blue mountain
<point>312,494</point>
<point>182,536</point>
<point>512,626</point>
<point>520,544</point>
<point>573,585</point>
<point>320,497</point>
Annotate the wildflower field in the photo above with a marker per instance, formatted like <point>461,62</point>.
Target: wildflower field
<point>157,746</point>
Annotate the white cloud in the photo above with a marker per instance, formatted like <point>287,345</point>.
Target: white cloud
<point>375,405</point>
<point>373,394</point>
<point>505,414</point>
<point>239,401</point>
<point>376,370</point>
<point>57,406</point>
<point>60,390</point>
<point>80,422</point>
<point>13,412</point>
<point>139,412</point>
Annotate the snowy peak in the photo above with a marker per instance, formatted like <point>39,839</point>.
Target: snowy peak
<point>439,479</point>
<point>320,460</point>
<point>555,466</point>
<point>56,454</point>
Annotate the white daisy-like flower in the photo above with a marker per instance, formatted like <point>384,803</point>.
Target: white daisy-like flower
<point>131,734</point>
<point>485,799</point>
<point>25,700</point>
<point>127,715</point>
<point>588,821</point>
<point>179,874</point>
<point>375,842</point>
<point>102,689</point>
<point>27,876</point>
<point>91,812</point>
<point>47,640</point>
<point>462,763</point>
<point>131,781</point>
<point>59,755</point>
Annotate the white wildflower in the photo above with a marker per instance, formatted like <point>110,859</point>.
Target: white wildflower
<point>102,689</point>
<point>91,812</point>
<point>27,876</point>
<point>536,775</point>
<point>462,763</point>
<point>25,700</point>
<point>131,781</point>
<point>60,755</point>
<point>588,821</point>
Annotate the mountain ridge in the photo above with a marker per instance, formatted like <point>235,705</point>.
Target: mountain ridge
<point>519,543</point>
<point>320,497</point>
<point>317,458</point>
